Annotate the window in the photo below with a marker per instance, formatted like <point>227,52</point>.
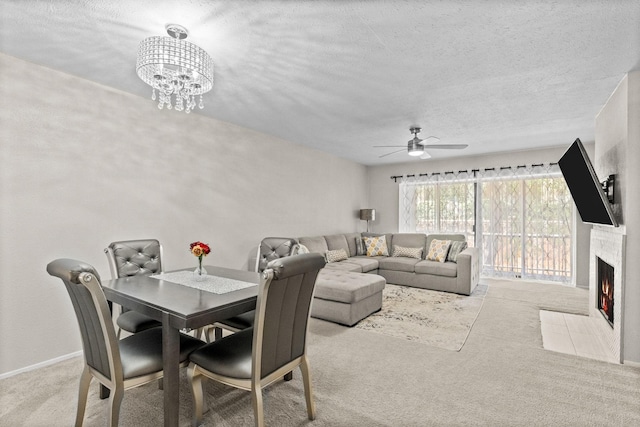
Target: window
<point>445,205</point>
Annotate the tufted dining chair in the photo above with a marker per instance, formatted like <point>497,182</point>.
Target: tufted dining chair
<point>117,364</point>
<point>131,258</point>
<point>277,343</point>
<point>270,248</point>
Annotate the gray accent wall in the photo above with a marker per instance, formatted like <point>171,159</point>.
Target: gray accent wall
<point>82,165</point>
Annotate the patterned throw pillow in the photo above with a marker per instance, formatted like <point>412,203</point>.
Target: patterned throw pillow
<point>438,250</point>
<point>337,255</point>
<point>407,252</point>
<point>376,246</point>
<point>454,251</point>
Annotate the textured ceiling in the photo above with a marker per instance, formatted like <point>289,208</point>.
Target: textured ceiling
<point>343,76</point>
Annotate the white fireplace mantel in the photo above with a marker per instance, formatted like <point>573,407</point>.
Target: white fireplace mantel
<point>609,245</point>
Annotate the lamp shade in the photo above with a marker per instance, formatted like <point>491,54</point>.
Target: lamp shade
<point>368,214</point>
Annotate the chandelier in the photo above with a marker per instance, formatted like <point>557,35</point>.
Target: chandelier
<point>176,69</point>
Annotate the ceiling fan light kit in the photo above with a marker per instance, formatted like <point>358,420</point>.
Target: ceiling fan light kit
<point>415,149</point>
<point>414,146</point>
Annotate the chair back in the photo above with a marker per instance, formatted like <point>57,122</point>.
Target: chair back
<point>282,311</point>
<point>134,257</point>
<point>99,342</point>
<point>273,248</point>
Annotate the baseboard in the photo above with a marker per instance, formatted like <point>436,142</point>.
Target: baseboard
<point>632,364</point>
<point>40,365</point>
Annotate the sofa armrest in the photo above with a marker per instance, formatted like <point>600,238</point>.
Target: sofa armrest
<point>468,270</point>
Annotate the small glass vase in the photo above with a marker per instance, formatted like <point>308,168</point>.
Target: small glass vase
<point>199,274</point>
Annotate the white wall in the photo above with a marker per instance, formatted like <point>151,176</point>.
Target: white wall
<point>383,190</point>
<point>618,152</point>
<point>82,165</point>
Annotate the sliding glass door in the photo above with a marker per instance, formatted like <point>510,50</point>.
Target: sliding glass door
<point>526,228</point>
<point>520,218</point>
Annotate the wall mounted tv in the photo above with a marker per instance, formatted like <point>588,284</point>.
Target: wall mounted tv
<point>588,194</point>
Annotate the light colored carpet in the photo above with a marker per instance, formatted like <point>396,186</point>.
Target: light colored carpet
<point>501,377</point>
<point>436,318</point>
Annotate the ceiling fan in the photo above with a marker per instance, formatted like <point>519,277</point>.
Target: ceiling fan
<point>418,147</point>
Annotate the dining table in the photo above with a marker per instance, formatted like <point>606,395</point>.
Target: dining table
<point>182,300</point>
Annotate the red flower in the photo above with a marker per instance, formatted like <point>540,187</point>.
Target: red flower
<point>199,249</point>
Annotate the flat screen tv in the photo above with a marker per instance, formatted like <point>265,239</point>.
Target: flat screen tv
<point>588,195</point>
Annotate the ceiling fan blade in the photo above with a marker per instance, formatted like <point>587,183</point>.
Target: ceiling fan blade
<point>446,146</point>
<point>387,146</point>
<point>425,156</point>
<point>393,152</point>
<point>428,140</point>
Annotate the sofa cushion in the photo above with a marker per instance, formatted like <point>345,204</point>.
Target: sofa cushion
<point>438,250</point>
<point>398,264</point>
<point>401,251</point>
<point>352,239</point>
<point>337,241</point>
<point>336,255</point>
<point>315,244</point>
<point>344,266</point>
<point>455,249</point>
<point>447,269</point>
<point>347,287</point>
<point>376,246</point>
<point>367,263</point>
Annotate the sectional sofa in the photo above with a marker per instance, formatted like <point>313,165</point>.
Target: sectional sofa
<point>350,286</point>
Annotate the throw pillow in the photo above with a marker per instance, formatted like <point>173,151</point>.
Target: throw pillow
<point>454,251</point>
<point>407,252</point>
<point>360,246</point>
<point>302,249</point>
<point>438,250</point>
<point>376,246</point>
<point>336,255</point>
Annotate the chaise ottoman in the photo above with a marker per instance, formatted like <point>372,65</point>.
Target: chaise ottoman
<point>346,297</point>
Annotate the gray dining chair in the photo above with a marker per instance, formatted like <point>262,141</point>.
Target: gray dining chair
<point>130,258</point>
<point>117,364</point>
<point>277,343</point>
<point>270,248</point>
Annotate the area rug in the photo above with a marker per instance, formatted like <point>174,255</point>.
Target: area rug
<point>440,319</point>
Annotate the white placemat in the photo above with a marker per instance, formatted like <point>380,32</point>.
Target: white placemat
<point>213,284</point>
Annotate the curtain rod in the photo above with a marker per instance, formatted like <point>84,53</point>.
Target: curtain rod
<point>396,177</point>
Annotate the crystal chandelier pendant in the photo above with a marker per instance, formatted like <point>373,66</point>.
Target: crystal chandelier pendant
<point>177,69</point>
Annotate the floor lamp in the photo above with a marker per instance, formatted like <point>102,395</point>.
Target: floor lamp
<point>368,215</point>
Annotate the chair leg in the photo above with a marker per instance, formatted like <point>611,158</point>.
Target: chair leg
<point>258,411</point>
<point>198,332</point>
<point>218,333</point>
<point>195,379</point>
<point>308,392</point>
<point>83,392</point>
<point>114,405</point>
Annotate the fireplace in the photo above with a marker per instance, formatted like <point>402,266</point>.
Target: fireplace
<point>605,285</point>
